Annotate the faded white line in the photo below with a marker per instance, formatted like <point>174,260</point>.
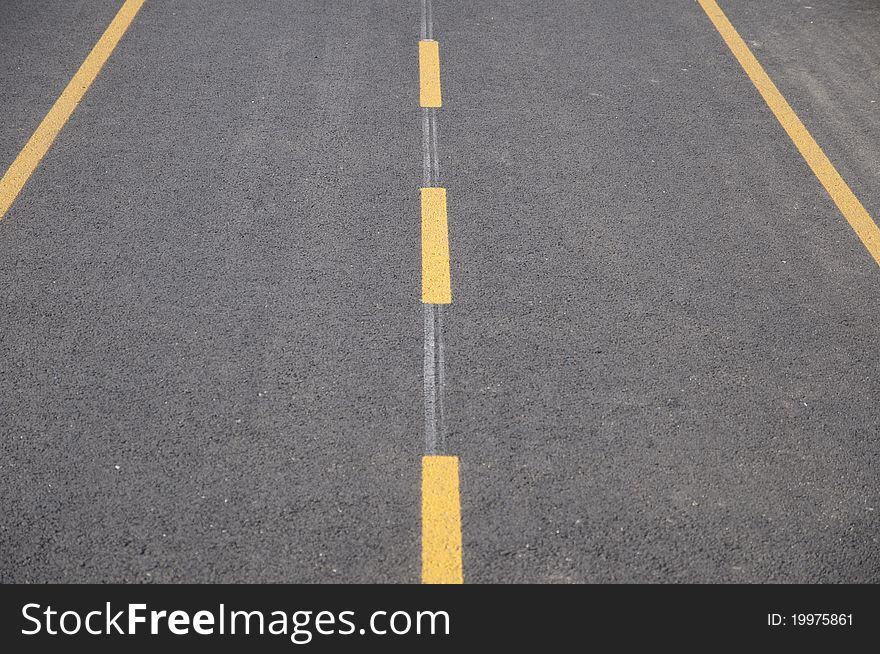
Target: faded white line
<point>441,381</point>
<point>435,149</point>
<point>427,20</point>
<point>426,148</point>
<point>430,372</point>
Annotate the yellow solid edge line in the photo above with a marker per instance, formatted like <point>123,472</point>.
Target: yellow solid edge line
<point>441,521</point>
<point>436,283</point>
<point>35,149</point>
<point>837,188</point>
<point>429,74</point>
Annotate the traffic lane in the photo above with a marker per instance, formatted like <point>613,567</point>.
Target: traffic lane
<point>825,61</point>
<point>661,360</point>
<point>211,283</point>
<point>42,44</point>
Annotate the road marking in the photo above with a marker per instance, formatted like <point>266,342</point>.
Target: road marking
<point>837,188</point>
<point>435,148</point>
<point>441,521</point>
<point>430,377</point>
<point>441,504</point>
<point>436,285</point>
<point>429,74</point>
<point>427,20</point>
<point>435,380</point>
<point>36,148</point>
<point>430,149</point>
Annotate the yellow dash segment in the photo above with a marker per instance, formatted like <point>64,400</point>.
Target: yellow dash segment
<point>837,188</point>
<point>441,521</point>
<point>436,284</point>
<point>35,149</point>
<point>429,74</point>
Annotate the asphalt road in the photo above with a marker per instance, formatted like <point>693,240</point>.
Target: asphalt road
<point>661,358</point>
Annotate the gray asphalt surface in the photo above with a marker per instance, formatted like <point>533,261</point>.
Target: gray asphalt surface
<point>662,351</point>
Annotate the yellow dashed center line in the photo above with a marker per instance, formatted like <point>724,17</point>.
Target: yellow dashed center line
<point>38,145</point>
<point>837,188</point>
<point>441,521</point>
<point>429,74</point>
<point>436,285</point>
<point>441,504</point>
